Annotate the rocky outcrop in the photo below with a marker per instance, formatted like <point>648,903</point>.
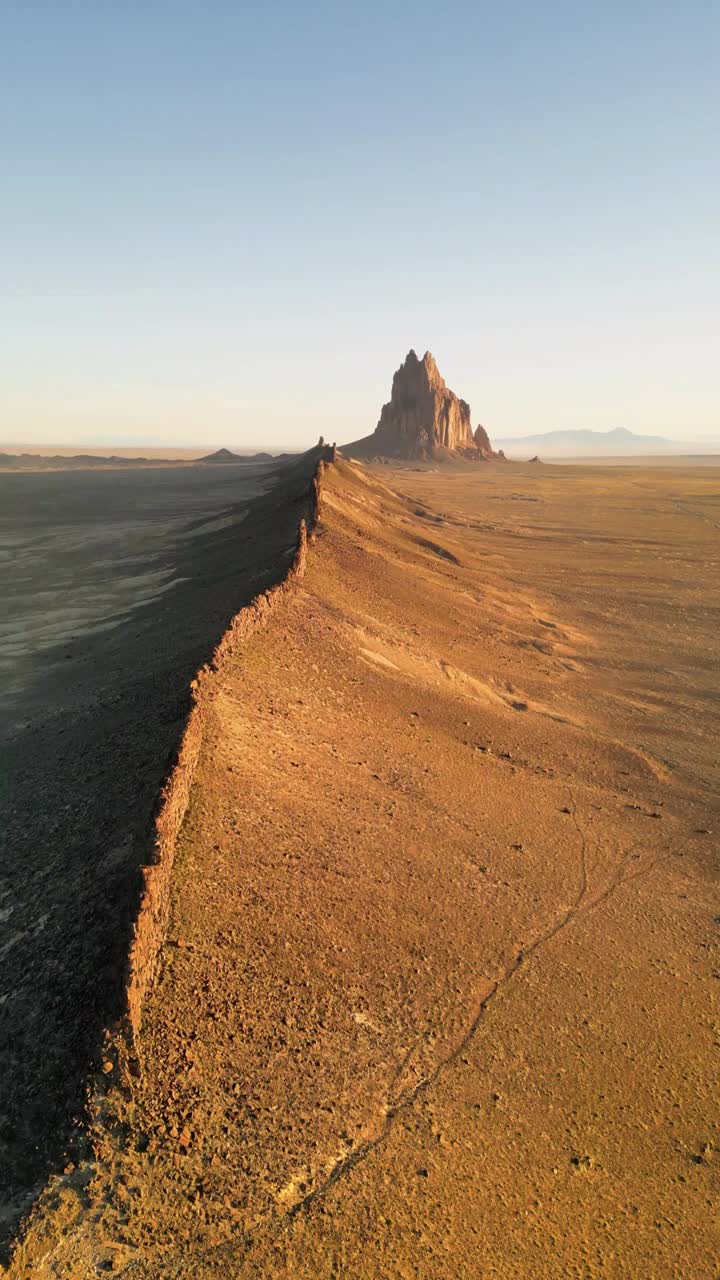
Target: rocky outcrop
<point>482,442</point>
<point>484,447</point>
<point>423,414</point>
<point>422,419</point>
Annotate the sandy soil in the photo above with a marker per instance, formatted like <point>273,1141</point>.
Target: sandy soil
<point>439,998</point>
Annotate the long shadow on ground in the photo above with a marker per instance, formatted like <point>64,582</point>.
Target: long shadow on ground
<point>80,789</point>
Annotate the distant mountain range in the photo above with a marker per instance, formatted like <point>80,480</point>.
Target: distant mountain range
<point>90,461</point>
<point>598,444</point>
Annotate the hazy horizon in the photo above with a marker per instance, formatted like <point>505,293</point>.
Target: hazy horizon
<point>229,225</point>
<point>156,446</point>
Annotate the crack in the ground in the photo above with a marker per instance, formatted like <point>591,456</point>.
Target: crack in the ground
<point>583,903</point>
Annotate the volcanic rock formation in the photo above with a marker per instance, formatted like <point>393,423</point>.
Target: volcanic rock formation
<point>483,445</point>
<point>482,441</point>
<point>423,418</point>
<point>422,413</point>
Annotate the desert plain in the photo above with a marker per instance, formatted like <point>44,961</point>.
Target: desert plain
<point>439,995</point>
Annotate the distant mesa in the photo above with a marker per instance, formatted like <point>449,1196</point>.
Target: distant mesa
<point>423,419</point>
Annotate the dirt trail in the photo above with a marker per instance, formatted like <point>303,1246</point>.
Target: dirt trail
<point>437,995</point>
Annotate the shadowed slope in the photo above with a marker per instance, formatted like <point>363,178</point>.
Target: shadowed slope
<point>82,771</point>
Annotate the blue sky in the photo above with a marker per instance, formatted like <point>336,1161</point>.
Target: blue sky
<point>227,223</point>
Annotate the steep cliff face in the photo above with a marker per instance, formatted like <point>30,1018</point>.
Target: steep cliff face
<point>421,417</point>
<point>422,413</point>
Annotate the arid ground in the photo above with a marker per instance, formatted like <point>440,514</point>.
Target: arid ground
<point>439,998</point>
<point>115,589</point>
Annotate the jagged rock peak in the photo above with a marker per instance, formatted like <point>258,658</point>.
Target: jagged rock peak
<point>422,413</point>
<point>482,441</point>
<point>412,366</point>
<point>422,419</point>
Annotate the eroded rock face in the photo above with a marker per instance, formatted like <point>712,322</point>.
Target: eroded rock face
<point>422,413</point>
<point>482,442</point>
<point>422,419</point>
